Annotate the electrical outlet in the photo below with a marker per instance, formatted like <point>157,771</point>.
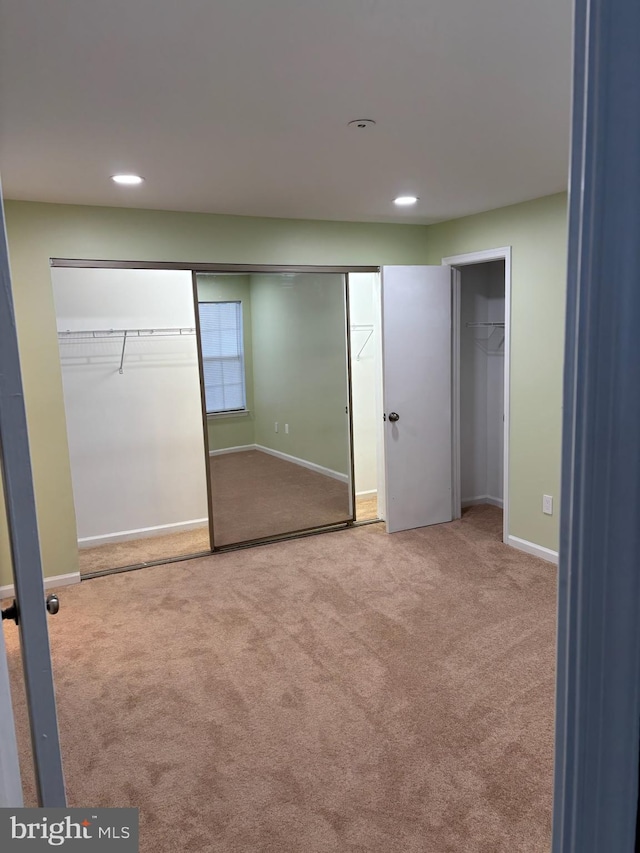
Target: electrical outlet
<point>276,426</point>
<point>547,504</point>
<point>286,429</point>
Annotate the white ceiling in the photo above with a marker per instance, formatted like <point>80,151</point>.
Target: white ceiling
<point>241,106</point>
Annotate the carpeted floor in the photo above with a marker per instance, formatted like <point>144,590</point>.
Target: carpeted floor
<point>342,693</point>
<point>136,551</point>
<point>255,495</point>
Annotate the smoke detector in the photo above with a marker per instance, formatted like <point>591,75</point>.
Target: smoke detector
<point>362,123</point>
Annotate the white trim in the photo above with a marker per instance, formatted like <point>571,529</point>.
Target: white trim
<point>456,485</point>
<point>348,376</point>
<point>367,492</point>
<point>482,499</point>
<point>239,449</point>
<point>477,257</point>
<point>379,399</point>
<point>141,533</point>
<point>336,475</point>
<point>49,583</point>
<point>236,413</point>
<point>531,548</point>
<point>500,254</point>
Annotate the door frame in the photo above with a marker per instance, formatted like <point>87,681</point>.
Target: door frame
<point>598,652</point>
<point>455,262</point>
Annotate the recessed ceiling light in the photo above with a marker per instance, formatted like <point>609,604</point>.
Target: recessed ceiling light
<point>405,200</point>
<point>127,179</point>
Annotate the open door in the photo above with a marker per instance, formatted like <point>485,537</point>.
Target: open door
<point>416,368</point>
<point>29,609</point>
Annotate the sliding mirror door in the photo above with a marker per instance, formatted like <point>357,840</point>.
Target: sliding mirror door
<point>274,354</point>
<point>132,398</point>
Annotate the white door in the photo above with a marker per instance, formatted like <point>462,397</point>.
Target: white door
<point>416,367</point>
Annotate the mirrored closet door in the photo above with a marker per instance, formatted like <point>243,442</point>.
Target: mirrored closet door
<point>275,368</point>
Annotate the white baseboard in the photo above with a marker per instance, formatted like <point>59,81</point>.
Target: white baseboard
<point>304,463</point>
<point>336,475</point>
<point>141,533</point>
<point>482,499</point>
<point>49,583</point>
<point>366,493</point>
<point>239,449</point>
<point>532,548</point>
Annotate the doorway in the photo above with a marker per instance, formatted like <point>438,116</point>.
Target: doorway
<point>481,290</point>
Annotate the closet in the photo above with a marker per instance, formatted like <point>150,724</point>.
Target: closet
<point>482,338</point>
<point>131,384</point>
<point>210,409</point>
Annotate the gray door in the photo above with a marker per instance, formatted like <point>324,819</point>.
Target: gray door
<point>25,550</point>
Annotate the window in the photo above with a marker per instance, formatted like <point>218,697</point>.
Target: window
<point>222,356</point>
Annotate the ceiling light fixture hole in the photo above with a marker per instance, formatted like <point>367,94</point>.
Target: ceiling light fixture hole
<point>362,123</point>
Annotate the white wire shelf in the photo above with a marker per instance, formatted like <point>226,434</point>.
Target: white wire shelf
<point>125,334</point>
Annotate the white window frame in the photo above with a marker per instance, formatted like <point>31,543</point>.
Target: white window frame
<point>226,413</point>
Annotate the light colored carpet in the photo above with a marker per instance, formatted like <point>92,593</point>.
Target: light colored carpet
<point>256,495</point>
<point>342,693</point>
<point>143,550</point>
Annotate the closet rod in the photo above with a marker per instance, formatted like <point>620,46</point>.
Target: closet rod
<point>473,325</point>
<point>84,334</point>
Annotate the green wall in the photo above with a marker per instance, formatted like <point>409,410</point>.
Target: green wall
<point>38,232</point>
<point>295,365</point>
<point>537,233</point>
<point>225,431</point>
<point>299,349</point>
<point>536,230</point>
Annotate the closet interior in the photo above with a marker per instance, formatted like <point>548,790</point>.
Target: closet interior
<point>128,355</point>
<point>482,353</point>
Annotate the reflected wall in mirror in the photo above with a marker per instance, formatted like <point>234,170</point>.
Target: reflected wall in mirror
<point>128,353</point>
<point>281,460</point>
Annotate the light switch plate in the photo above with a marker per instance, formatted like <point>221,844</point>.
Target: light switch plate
<point>547,504</point>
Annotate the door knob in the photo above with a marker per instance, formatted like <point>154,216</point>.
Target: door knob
<point>394,416</point>
<point>53,604</point>
<point>11,612</point>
